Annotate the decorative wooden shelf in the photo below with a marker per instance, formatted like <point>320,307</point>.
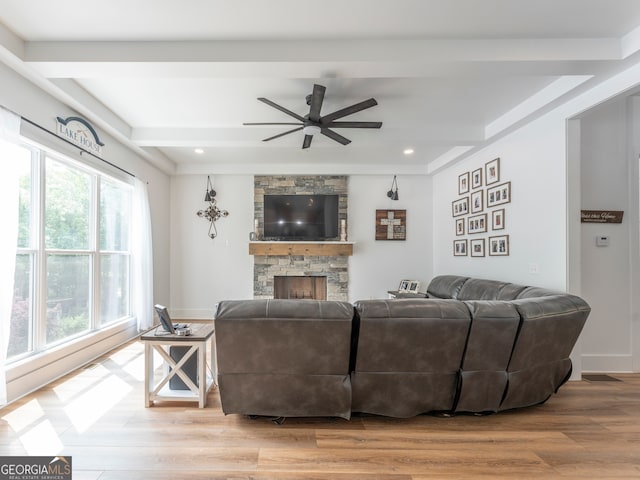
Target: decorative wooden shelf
<point>322,249</point>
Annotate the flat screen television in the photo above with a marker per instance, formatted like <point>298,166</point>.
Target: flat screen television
<point>301,217</point>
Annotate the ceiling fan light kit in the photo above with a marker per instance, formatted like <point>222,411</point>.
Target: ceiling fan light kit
<point>311,130</point>
<point>313,123</point>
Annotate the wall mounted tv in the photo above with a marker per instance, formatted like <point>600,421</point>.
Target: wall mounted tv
<point>301,217</point>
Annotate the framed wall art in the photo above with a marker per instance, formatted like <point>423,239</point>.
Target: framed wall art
<point>497,219</point>
<point>459,248</point>
<point>499,245</point>
<point>477,224</point>
<point>476,178</point>
<point>460,226</point>
<point>391,224</point>
<point>492,172</point>
<point>463,183</point>
<point>499,194</point>
<point>460,207</point>
<point>477,201</point>
<point>476,246</point>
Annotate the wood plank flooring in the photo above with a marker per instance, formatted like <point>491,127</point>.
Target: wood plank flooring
<point>589,430</point>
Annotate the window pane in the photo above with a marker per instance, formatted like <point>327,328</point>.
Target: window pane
<point>22,158</point>
<point>114,287</point>
<point>115,208</point>
<point>68,290</point>
<point>20,335</point>
<point>67,207</point>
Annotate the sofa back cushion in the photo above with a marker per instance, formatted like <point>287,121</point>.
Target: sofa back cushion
<point>283,336</point>
<point>481,289</point>
<point>411,335</point>
<point>445,286</point>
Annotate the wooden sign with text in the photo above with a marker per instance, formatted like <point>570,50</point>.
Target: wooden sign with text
<point>601,216</point>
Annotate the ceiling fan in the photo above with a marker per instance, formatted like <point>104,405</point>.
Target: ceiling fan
<point>313,123</point>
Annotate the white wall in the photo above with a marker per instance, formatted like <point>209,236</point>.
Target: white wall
<point>606,271</point>
<point>205,271</point>
<point>534,219</point>
<point>378,266</point>
<point>542,223</point>
<point>27,100</point>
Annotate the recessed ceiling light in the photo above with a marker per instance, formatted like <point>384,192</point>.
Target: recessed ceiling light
<point>199,151</point>
<point>408,151</point>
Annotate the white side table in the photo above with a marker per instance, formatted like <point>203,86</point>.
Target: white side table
<point>157,340</point>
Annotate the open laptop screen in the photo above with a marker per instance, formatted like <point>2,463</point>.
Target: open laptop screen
<point>165,319</point>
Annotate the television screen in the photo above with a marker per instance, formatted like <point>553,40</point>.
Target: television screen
<point>301,217</point>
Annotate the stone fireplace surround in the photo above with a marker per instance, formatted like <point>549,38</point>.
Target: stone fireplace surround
<point>266,267</point>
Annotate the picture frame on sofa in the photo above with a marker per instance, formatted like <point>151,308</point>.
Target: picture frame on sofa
<point>404,285</point>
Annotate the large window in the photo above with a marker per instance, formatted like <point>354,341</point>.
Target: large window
<point>73,259</point>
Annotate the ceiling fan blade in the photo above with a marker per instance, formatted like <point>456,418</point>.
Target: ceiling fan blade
<point>335,136</point>
<point>307,141</point>
<point>317,98</point>
<point>271,123</point>
<point>348,110</point>
<point>354,125</point>
<point>282,134</point>
<point>282,109</point>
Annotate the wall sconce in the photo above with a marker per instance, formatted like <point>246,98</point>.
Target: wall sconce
<point>212,212</point>
<point>393,194</point>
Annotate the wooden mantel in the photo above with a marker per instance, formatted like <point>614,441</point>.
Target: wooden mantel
<point>322,249</point>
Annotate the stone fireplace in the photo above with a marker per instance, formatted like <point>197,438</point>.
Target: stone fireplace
<point>333,267</point>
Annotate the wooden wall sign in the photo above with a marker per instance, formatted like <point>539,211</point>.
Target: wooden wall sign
<point>601,216</point>
<point>391,224</point>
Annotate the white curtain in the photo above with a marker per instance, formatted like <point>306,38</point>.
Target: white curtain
<point>9,131</point>
<point>142,257</point>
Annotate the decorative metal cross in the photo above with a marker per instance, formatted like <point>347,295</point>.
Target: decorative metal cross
<point>390,222</point>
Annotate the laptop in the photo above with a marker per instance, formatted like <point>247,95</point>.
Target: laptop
<point>166,322</point>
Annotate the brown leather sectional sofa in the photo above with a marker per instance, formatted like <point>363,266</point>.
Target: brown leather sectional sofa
<point>472,345</point>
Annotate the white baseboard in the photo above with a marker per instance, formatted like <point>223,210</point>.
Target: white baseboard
<point>607,363</point>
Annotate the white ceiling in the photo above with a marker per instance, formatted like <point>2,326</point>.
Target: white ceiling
<point>449,76</point>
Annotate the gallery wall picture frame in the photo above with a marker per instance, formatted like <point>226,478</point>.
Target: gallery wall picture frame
<point>492,172</point>
<point>477,224</point>
<point>499,194</point>
<point>497,219</point>
<point>463,183</point>
<point>460,207</point>
<point>460,248</point>
<point>499,246</point>
<point>477,202</point>
<point>476,247</point>
<point>476,178</point>
<point>460,226</point>
<point>391,224</point>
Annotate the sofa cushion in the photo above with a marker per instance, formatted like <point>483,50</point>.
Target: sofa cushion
<point>480,289</point>
<point>409,355</point>
<point>445,286</point>
<point>284,357</point>
<point>283,336</point>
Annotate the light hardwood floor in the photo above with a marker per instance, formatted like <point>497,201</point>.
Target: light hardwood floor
<point>589,430</point>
